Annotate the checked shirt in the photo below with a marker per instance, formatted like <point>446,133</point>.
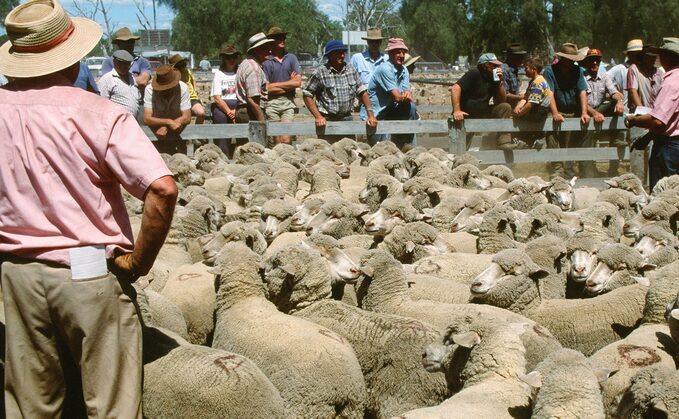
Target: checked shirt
<point>334,90</point>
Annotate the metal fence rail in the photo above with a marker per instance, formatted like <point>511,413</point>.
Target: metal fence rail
<point>457,132</point>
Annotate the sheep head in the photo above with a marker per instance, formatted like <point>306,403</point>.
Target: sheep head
<point>655,241</point>
<point>618,265</point>
<point>275,218</point>
<point>629,182</point>
<point>342,268</point>
<point>560,193</point>
<point>471,216</point>
<point>468,176</point>
<point>657,211</point>
<point>392,212</point>
<point>422,192</point>
<point>337,218</point>
<point>309,208</point>
<point>582,254</point>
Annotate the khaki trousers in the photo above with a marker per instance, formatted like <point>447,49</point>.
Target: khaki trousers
<point>70,345</point>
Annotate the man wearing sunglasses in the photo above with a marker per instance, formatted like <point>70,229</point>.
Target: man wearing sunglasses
<point>282,70</point>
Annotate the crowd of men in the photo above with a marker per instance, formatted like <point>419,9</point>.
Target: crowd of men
<point>67,252</point>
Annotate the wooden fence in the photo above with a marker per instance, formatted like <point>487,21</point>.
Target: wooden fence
<point>258,131</point>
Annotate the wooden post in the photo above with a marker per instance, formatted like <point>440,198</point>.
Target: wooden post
<point>457,138</point>
<point>257,132</point>
<point>189,148</point>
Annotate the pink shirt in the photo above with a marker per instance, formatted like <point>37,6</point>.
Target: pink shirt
<point>65,153</point>
<point>666,106</point>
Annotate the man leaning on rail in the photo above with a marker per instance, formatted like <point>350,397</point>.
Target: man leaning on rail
<point>66,244</point>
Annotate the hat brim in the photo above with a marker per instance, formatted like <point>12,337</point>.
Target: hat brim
<point>572,57</point>
<point>126,38</point>
<point>334,50</point>
<point>412,61</point>
<point>373,38</point>
<point>85,36</point>
<point>517,52</point>
<point>176,76</point>
<point>391,49</point>
<point>260,43</point>
<point>658,50</point>
<point>271,35</point>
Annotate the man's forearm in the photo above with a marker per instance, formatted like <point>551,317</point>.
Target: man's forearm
<point>455,94</point>
<point>365,100</point>
<point>159,205</point>
<point>143,79</point>
<point>634,97</point>
<point>221,104</point>
<point>184,118</point>
<point>311,106</point>
<point>283,87</point>
<point>647,121</point>
<point>583,102</point>
<point>153,121</point>
<point>501,95</point>
<point>253,105</point>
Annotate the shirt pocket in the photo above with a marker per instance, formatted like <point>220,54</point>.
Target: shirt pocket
<point>330,89</point>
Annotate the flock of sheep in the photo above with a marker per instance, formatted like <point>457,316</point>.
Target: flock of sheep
<point>339,280</point>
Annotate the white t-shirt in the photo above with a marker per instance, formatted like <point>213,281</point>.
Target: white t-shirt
<point>224,85</point>
<point>184,103</point>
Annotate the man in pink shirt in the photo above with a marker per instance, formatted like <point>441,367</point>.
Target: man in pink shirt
<point>66,243</point>
<point>663,120</point>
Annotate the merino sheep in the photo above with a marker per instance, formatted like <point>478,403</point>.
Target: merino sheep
<point>466,158</point>
<point>470,217</point>
<point>183,380</point>
<point>208,156</point>
<point>382,148</point>
<point>657,245</point>
<point>560,193</point>
<point>498,229</point>
<point>513,282</point>
<point>524,195</point>
<point>315,370</point>
<point>211,244</point>
<point>158,311</point>
<point>652,394</point>
<point>480,356</point>
<point>625,201</point>
<point>324,180</point>
<point>667,183</point>
<point>618,266</point>
<point>458,267</point>
<point>185,171</point>
<point>338,218</point>
<point>601,220</point>
<point>422,192</point>
<point>630,182</point>
<point>276,218</point>
<point>661,293</point>
<point>444,213</point>
<point>413,241</point>
<point>582,254</point>
<point>499,171</point>
<point>388,165</point>
<point>428,166</point>
<point>567,387</point>
<point>377,189</point>
<point>549,253</point>
<point>383,288</point>
<point>347,150</point>
<point>249,153</point>
<point>392,212</point>
<point>657,212</point>
<point>547,219</point>
<point>468,177</point>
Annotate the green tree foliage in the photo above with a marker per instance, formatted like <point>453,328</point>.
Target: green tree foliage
<point>201,26</point>
<point>364,14</point>
<point>5,7</point>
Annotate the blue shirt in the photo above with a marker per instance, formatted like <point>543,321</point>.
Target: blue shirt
<point>509,79</point>
<point>385,79</point>
<point>566,87</point>
<point>279,71</point>
<point>85,79</point>
<point>139,65</point>
<point>365,66</point>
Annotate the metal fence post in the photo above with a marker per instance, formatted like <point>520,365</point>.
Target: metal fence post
<point>257,132</point>
<point>457,137</point>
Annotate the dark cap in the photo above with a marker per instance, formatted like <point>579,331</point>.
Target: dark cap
<point>122,55</point>
<point>515,49</point>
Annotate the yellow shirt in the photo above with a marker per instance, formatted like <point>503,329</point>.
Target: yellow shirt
<point>187,77</point>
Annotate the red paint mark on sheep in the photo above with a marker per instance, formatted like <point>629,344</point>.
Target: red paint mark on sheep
<point>186,277</point>
<point>230,363</point>
<point>638,356</point>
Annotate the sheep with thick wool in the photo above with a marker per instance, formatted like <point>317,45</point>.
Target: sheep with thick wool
<point>211,244</point>
<point>378,188</point>
<point>422,192</point>
<point>468,177</point>
<point>546,219</point>
<point>654,393</point>
<point>524,195</point>
<point>618,266</point>
<point>498,230</point>
<point>657,245</point>
<point>470,217</point>
<point>625,201</point>
<point>413,241</point>
<point>338,218</point>
<point>549,253</point>
<point>315,369</point>
<point>276,215</point>
<point>388,165</point>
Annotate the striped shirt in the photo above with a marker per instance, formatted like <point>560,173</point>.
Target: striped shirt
<point>334,90</point>
<point>647,87</point>
<point>113,87</point>
<point>251,82</point>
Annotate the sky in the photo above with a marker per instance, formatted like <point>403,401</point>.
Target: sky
<point>124,12</point>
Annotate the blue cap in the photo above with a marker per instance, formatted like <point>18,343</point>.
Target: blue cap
<point>334,45</point>
<point>489,57</point>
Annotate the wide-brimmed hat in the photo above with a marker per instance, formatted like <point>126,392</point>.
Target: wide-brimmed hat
<point>228,49</point>
<point>634,45</point>
<point>176,59</point>
<point>396,43</point>
<point>275,31</point>
<point>334,45</point>
<point>257,40</point>
<point>515,49</point>
<point>44,39</point>
<point>488,57</point>
<point>668,45</point>
<point>374,34</point>
<point>570,51</point>
<point>124,34</point>
<point>166,77</point>
<point>122,55</point>
<point>410,60</point>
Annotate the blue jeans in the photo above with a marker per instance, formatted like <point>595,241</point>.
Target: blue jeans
<point>397,112</point>
<point>664,159</point>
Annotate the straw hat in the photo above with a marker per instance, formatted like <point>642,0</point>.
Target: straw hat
<point>124,34</point>
<point>374,34</point>
<point>175,59</point>
<point>44,39</point>
<point>410,60</point>
<point>257,40</point>
<point>166,78</point>
<point>634,45</point>
<point>571,52</point>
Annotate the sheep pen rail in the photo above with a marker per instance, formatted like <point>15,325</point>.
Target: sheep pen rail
<point>258,131</point>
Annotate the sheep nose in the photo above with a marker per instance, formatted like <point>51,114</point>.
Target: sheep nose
<point>579,269</point>
<point>590,283</point>
<point>355,271</point>
<point>369,223</point>
<point>626,226</point>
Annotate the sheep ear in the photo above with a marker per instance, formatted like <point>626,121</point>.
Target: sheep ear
<point>646,267</point>
<point>467,340</point>
<point>612,183</point>
<point>537,223</point>
<point>642,281</point>
<point>427,214</point>
<point>367,270</point>
<point>519,328</point>
<point>538,274</point>
<point>433,189</point>
<point>607,220</point>
<point>289,269</point>
<point>603,374</point>
<point>533,379</point>
<point>214,270</point>
<point>410,246</point>
<point>572,182</point>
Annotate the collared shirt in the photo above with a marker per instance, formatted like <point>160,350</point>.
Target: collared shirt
<point>597,87</point>
<point>385,79</point>
<point>647,87</point>
<point>184,100</point>
<point>666,106</point>
<point>510,79</point>
<point>618,75</point>
<point>139,65</point>
<point>251,81</point>
<point>334,91</point>
<point>280,70</point>
<point>205,65</point>
<point>566,87</point>
<point>65,154</point>
<point>365,65</point>
<point>187,77</point>
<point>123,92</point>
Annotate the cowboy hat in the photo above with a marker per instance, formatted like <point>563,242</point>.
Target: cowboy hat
<point>166,78</point>
<point>275,31</point>
<point>669,45</point>
<point>515,49</point>
<point>634,45</point>
<point>571,52</point>
<point>409,60</point>
<point>176,59</point>
<point>44,39</point>
<point>257,40</point>
<point>374,34</point>
<point>229,49</point>
<point>124,34</point>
